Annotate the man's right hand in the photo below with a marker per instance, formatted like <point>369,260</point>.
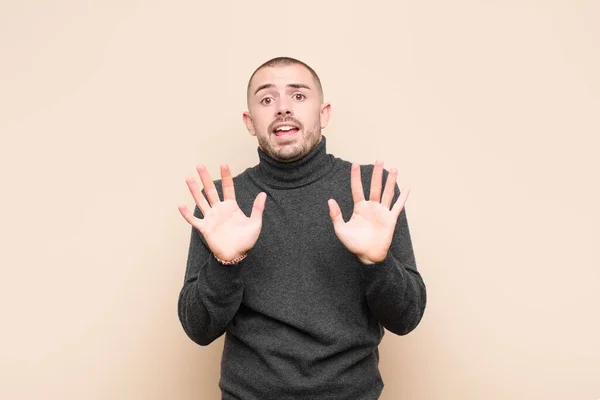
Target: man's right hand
<point>228,232</point>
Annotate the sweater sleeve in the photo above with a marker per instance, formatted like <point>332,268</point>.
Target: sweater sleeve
<point>395,291</point>
<point>211,292</point>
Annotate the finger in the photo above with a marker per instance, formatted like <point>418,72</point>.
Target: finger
<point>336,214</point>
<point>375,194</point>
<point>390,185</point>
<point>397,209</point>
<point>189,216</point>
<point>209,185</point>
<point>358,194</point>
<point>197,195</point>
<point>227,180</point>
<point>258,207</point>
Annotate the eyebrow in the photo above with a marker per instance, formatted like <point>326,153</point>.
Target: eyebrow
<point>291,85</point>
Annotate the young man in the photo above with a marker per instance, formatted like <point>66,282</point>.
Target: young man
<point>293,260</point>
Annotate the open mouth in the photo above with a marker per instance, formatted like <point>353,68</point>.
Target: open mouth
<point>285,130</point>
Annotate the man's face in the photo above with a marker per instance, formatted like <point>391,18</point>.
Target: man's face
<point>286,111</point>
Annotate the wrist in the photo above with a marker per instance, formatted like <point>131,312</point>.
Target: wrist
<point>365,261</point>
<point>371,261</point>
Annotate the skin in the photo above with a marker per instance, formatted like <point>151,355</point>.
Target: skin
<point>280,94</point>
<point>290,94</point>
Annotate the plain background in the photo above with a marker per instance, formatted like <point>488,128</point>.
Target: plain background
<point>490,110</point>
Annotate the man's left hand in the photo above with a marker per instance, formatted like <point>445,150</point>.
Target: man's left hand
<point>369,232</point>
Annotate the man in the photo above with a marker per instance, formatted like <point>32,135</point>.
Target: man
<point>302,294</point>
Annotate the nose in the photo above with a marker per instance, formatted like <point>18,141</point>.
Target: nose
<point>284,109</point>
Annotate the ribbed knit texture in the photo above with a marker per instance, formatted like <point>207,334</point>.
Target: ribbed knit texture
<point>302,315</point>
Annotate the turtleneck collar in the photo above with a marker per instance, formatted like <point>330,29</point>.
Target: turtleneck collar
<point>296,173</point>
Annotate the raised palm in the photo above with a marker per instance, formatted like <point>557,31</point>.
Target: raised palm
<point>228,232</point>
<point>369,232</point>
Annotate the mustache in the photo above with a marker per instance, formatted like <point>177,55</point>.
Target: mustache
<point>286,119</point>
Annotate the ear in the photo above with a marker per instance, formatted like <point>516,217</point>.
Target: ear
<point>325,113</point>
<point>249,124</point>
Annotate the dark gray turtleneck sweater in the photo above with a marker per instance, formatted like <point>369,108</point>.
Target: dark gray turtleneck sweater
<point>302,315</point>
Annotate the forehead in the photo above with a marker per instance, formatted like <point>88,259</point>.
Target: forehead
<point>282,75</point>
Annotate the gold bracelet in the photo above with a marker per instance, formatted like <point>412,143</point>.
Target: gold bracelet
<point>234,261</point>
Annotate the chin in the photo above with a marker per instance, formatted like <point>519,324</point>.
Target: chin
<point>288,156</point>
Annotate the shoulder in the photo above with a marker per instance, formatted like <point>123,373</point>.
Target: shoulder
<point>366,175</point>
<point>366,170</point>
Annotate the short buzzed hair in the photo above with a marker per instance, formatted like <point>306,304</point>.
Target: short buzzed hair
<point>282,62</point>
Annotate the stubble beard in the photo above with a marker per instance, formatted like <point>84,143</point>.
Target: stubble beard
<point>290,152</point>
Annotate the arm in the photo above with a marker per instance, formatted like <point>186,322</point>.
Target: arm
<point>377,233</point>
<point>211,293</point>
<point>395,290</point>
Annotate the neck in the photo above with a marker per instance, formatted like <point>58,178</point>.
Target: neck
<point>296,173</point>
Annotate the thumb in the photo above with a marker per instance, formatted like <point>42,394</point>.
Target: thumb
<point>336,214</point>
<point>259,206</point>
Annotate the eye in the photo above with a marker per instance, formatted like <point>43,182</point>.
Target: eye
<point>266,101</point>
<point>299,96</point>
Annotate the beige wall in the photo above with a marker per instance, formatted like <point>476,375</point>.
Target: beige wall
<point>490,110</point>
